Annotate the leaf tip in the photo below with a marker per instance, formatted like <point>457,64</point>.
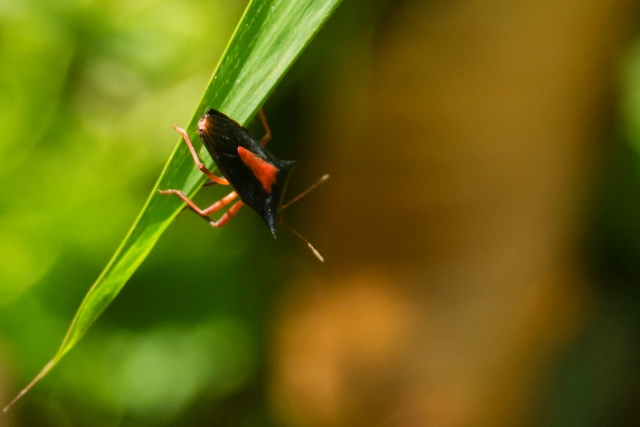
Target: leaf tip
<point>33,382</point>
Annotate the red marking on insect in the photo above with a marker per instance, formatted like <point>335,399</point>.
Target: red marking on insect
<point>263,171</point>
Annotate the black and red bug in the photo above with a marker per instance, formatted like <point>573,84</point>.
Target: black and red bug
<point>258,177</point>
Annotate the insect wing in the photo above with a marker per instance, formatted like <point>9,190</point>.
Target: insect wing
<point>256,175</point>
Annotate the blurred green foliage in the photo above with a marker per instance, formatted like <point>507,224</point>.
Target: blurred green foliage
<point>84,88</point>
<point>89,91</point>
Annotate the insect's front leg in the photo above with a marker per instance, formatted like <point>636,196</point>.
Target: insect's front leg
<point>197,161</point>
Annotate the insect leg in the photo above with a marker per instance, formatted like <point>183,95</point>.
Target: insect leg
<point>227,215</point>
<point>197,161</point>
<point>221,203</point>
<point>265,139</point>
<point>207,211</point>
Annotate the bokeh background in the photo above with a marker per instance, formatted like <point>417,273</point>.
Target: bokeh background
<point>481,225</point>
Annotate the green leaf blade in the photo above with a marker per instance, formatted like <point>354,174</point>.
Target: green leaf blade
<point>269,38</point>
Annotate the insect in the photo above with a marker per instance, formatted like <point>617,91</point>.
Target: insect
<point>257,177</point>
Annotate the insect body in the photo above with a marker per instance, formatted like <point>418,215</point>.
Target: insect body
<point>258,177</point>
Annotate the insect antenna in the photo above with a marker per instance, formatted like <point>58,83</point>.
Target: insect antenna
<point>295,199</point>
<point>301,237</point>
<point>305,192</point>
